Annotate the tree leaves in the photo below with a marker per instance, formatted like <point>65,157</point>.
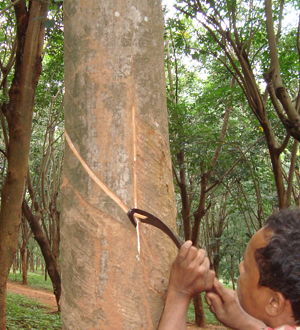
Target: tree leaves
<point>203,60</point>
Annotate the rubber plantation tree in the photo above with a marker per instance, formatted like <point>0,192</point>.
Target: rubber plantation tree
<point>41,203</point>
<point>42,182</point>
<point>117,123</point>
<point>26,54</point>
<point>248,39</point>
<point>44,214</point>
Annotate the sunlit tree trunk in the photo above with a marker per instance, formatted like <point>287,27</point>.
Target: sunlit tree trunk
<point>115,105</point>
<point>18,112</point>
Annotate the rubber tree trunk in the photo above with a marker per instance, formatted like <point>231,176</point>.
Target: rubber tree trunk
<point>18,112</point>
<point>115,107</point>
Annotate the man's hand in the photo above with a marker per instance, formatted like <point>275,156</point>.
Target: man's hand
<point>229,311</point>
<point>190,272</point>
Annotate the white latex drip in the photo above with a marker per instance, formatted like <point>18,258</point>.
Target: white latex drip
<point>138,239</point>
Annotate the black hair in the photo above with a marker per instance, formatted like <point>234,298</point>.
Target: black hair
<point>279,261</point>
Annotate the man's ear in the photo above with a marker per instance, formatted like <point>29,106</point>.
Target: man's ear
<point>276,303</point>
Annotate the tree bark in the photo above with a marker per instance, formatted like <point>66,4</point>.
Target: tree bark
<point>18,112</point>
<point>232,271</point>
<point>200,321</point>
<point>45,247</point>
<point>185,202</point>
<point>116,116</point>
<point>24,265</point>
<point>280,90</point>
<point>24,258</point>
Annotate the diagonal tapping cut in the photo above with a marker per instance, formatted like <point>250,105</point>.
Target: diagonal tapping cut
<point>134,156</point>
<point>101,184</point>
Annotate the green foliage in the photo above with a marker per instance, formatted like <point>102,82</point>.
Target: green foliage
<point>202,89</point>
<point>24,313</point>
<point>288,57</point>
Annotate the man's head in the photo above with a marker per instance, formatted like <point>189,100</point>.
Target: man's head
<point>269,283</point>
<point>279,261</point>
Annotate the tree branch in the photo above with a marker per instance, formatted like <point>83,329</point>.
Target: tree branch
<point>280,90</point>
<point>234,165</point>
<point>291,173</point>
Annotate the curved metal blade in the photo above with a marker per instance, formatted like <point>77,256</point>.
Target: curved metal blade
<point>156,222</point>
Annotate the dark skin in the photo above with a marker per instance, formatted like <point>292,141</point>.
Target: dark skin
<point>190,274</point>
<point>250,308</point>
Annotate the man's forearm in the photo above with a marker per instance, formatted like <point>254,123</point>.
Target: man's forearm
<point>174,314</point>
<point>190,274</point>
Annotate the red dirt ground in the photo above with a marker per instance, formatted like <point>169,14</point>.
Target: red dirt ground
<point>47,298</point>
<point>44,297</point>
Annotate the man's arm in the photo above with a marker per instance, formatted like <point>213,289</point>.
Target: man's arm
<point>174,314</point>
<point>190,274</point>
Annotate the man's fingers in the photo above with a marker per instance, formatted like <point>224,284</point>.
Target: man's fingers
<point>188,253</point>
<point>222,290</point>
<point>218,285</point>
<point>209,303</point>
<point>200,267</point>
<point>184,250</point>
<point>214,301</point>
<point>200,257</point>
<point>196,258</point>
<point>205,263</point>
<point>202,264</point>
<point>210,280</point>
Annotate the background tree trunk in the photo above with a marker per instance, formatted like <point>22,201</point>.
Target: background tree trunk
<point>200,321</point>
<point>18,112</point>
<point>23,249</point>
<point>43,242</point>
<point>115,104</point>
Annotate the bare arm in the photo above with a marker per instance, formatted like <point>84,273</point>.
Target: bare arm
<point>174,314</point>
<point>190,274</point>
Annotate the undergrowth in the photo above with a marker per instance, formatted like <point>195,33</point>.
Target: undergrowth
<point>24,313</point>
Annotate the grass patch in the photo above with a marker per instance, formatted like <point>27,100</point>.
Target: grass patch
<point>24,313</point>
<point>36,281</point>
